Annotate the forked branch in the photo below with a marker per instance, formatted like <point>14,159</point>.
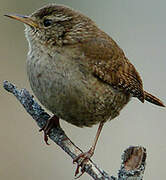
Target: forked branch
<point>133,158</point>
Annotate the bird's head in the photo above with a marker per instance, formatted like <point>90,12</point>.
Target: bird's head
<point>56,25</point>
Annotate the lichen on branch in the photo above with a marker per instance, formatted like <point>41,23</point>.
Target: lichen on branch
<point>133,158</point>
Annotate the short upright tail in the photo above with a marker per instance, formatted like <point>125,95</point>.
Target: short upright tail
<point>153,99</point>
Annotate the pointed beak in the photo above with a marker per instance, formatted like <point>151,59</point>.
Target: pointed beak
<point>25,19</point>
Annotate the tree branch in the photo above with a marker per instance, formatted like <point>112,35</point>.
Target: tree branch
<point>133,158</point>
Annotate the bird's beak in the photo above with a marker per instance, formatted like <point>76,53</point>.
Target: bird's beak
<point>25,19</point>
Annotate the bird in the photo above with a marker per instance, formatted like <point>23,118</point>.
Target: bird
<point>77,71</point>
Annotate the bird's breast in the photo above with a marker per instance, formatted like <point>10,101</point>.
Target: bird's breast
<point>65,87</point>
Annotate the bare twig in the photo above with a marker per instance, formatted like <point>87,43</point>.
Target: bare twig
<point>133,158</point>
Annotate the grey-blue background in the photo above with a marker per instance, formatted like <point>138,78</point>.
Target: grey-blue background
<point>139,28</point>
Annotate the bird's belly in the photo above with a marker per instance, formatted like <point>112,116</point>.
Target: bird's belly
<point>72,94</point>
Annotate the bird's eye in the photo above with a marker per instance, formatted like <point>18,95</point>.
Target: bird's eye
<point>47,22</point>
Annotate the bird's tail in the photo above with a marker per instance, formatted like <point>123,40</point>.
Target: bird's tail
<point>153,99</point>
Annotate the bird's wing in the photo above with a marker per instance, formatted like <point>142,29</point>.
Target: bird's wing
<point>108,63</point>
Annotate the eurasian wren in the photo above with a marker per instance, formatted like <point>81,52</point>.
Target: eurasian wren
<point>77,71</point>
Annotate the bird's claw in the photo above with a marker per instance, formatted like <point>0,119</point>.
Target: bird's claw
<point>51,122</point>
<point>81,161</point>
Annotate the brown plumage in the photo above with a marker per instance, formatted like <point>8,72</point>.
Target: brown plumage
<point>77,71</point>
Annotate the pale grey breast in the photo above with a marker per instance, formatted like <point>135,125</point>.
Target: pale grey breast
<point>72,93</point>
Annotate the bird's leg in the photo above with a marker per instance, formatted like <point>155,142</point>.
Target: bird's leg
<point>51,122</point>
<point>84,157</point>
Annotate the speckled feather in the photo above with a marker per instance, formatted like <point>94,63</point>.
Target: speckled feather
<point>112,66</point>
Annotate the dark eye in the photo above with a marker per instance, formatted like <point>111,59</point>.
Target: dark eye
<point>47,22</point>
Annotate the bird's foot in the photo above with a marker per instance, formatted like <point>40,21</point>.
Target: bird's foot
<point>81,161</point>
<point>51,122</point>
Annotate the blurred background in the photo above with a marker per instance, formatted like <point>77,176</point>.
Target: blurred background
<point>139,28</point>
